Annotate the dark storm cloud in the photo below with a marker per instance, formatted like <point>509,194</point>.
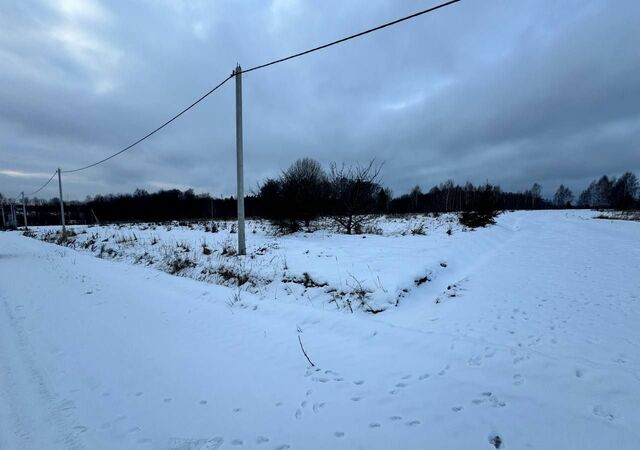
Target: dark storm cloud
<point>512,92</point>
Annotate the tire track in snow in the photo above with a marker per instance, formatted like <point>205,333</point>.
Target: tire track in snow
<point>32,387</point>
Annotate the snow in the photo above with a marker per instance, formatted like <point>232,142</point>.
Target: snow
<point>524,336</point>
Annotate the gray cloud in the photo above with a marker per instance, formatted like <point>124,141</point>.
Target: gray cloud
<point>512,92</point>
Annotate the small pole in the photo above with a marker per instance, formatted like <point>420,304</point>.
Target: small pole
<point>64,230</point>
<point>4,223</point>
<point>239,163</point>
<point>24,211</point>
<point>14,221</point>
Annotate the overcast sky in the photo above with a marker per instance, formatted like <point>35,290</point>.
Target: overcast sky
<point>510,91</point>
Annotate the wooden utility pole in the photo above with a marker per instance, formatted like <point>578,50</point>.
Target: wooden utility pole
<point>239,163</point>
<point>64,229</point>
<point>24,211</point>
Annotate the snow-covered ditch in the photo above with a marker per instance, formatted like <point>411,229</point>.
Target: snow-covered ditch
<point>367,272</point>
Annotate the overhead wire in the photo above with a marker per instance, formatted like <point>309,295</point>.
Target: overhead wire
<point>353,36</point>
<point>251,69</point>
<point>148,135</point>
<point>41,187</point>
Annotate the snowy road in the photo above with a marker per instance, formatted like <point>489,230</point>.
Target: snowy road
<point>540,348</point>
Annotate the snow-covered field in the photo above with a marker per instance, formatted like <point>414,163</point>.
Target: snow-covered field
<point>522,335</point>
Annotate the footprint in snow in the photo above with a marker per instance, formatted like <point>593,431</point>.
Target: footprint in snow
<point>338,434</point>
<point>604,412</point>
<point>317,407</point>
<point>412,423</point>
<point>374,425</point>
<point>518,380</point>
<point>262,440</point>
<point>424,376</point>
<point>320,379</point>
<point>237,442</point>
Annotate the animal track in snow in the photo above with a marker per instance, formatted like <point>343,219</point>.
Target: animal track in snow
<point>317,407</point>
<point>200,444</point>
<point>493,400</point>
<point>604,412</point>
<point>443,371</point>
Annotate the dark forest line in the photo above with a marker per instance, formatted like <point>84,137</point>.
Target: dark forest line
<point>306,191</point>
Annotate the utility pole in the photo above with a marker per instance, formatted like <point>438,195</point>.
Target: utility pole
<point>24,211</point>
<point>64,230</point>
<point>242,250</point>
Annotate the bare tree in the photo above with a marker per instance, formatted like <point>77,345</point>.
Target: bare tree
<point>354,192</point>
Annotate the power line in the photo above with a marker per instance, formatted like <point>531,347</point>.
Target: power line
<point>353,36</point>
<point>261,66</point>
<point>148,135</point>
<point>43,186</point>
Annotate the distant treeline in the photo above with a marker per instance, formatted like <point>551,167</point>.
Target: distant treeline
<point>306,191</point>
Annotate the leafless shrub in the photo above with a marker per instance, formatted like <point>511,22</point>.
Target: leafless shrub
<point>228,249</point>
<point>418,230</point>
<point>354,190</point>
<point>235,299</point>
<point>211,228</point>
<point>177,264</point>
<point>205,248</point>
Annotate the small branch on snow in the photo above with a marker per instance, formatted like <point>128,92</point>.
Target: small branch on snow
<point>305,353</point>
